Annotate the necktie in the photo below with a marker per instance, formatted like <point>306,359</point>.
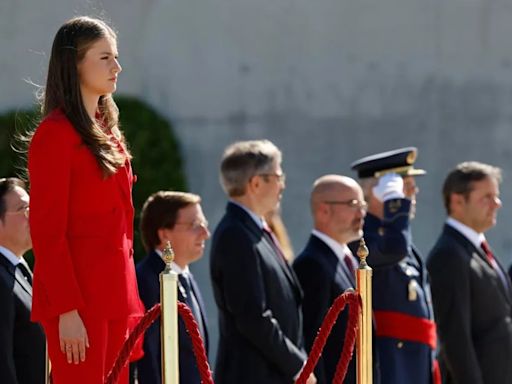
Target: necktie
<point>350,265</point>
<point>191,300</point>
<point>275,242</point>
<point>25,271</point>
<point>494,264</point>
<point>488,252</point>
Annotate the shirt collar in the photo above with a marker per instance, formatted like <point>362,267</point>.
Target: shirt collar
<point>257,219</point>
<point>340,250</point>
<point>473,236</point>
<point>9,255</point>
<point>174,267</point>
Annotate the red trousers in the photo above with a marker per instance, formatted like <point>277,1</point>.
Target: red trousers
<point>105,340</point>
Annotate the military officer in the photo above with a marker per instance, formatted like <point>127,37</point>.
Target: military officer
<point>406,332</point>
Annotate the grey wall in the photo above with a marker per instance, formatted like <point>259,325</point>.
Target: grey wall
<point>328,81</point>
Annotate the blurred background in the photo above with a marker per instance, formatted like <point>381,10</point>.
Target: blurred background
<point>328,81</point>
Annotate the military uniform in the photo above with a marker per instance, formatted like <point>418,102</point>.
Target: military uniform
<point>406,332</point>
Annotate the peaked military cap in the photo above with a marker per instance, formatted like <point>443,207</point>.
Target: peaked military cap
<point>399,161</point>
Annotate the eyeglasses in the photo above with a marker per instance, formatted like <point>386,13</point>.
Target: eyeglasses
<point>195,225</point>
<point>488,200</point>
<point>23,210</point>
<point>354,204</point>
<point>280,176</point>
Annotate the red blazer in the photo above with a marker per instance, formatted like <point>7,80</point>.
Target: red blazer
<point>81,226</point>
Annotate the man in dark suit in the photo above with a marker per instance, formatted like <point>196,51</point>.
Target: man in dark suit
<point>326,266</point>
<point>471,291</point>
<point>176,217</point>
<point>22,343</point>
<point>256,291</point>
<point>404,322</point>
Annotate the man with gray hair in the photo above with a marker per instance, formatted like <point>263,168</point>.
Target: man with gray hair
<point>256,291</point>
<point>471,291</point>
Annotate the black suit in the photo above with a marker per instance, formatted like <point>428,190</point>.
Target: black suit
<point>473,312</point>
<point>323,278</point>
<point>258,297</point>
<point>22,343</point>
<point>149,367</point>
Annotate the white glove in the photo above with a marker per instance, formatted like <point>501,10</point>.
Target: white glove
<point>390,186</point>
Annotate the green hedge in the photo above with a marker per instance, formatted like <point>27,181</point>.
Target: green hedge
<point>12,159</point>
<point>157,160</point>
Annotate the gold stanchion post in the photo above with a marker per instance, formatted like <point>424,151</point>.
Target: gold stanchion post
<point>169,321</point>
<point>46,366</point>
<point>364,332</point>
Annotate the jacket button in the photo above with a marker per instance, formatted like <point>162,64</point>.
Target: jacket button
<point>400,344</point>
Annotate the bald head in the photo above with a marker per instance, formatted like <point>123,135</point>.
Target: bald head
<point>338,207</point>
<point>329,187</point>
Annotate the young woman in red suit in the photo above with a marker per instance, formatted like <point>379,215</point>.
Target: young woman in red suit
<point>81,212</point>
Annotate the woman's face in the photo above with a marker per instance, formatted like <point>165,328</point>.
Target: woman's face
<point>99,68</point>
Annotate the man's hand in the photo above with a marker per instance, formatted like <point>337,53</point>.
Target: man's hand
<point>73,336</point>
<point>390,186</point>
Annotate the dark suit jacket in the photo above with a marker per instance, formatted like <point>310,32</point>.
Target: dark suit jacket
<point>258,297</point>
<point>473,312</point>
<point>22,343</point>
<point>323,278</point>
<point>149,367</point>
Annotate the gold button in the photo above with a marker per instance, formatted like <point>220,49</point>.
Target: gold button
<point>400,344</point>
<point>394,206</point>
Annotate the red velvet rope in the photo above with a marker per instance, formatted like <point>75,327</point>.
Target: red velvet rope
<point>197,343</point>
<point>354,309</point>
<point>350,297</point>
<point>354,300</point>
<point>128,345</point>
<point>144,323</point>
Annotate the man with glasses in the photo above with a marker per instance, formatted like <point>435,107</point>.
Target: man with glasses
<point>326,267</point>
<point>176,217</point>
<point>22,343</point>
<point>404,321</point>
<point>256,291</point>
<point>472,292</point>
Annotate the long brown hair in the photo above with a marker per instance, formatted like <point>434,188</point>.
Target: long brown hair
<point>62,90</point>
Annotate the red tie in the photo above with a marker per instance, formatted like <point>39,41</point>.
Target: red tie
<point>350,264</point>
<point>490,257</point>
<point>275,241</point>
<point>488,252</point>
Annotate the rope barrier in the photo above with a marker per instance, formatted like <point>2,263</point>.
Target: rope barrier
<point>354,300</point>
<point>122,359</point>
<point>350,297</point>
<point>354,310</point>
<point>148,319</point>
<point>197,343</point>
